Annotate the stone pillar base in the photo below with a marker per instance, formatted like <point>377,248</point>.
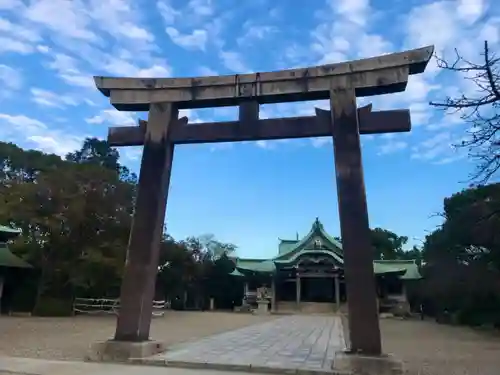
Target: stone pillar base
<point>374,365</point>
<point>262,308</point>
<point>123,351</point>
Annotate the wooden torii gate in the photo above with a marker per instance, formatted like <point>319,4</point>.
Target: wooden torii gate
<point>340,83</point>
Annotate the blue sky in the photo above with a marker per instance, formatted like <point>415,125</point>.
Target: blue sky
<point>247,193</point>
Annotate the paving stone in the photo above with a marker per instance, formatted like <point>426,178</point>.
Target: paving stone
<point>291,343</point>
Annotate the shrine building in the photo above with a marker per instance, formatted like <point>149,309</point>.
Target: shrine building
<point>307,275</point>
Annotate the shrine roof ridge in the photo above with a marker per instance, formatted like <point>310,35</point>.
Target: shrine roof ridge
<point>370,76</point>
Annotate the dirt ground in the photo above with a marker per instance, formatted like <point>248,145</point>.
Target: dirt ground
<point>69,338</point>
<point>428,348</point>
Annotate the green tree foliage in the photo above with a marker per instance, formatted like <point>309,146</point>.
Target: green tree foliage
<point>196,269</point>
<point>75,215</point>
<point>462,257</point>
<point>387,245</point>
<point>98,152</point>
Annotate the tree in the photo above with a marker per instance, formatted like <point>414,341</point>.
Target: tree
<point>463,257</point>
<point>471,229</point>
<point>195,269</point>
<point>414,253</point>
<point>97,152</point>
<point>387,245</point>
<point>75,218</point>
<point>481,110</point>
<point>76,215</point>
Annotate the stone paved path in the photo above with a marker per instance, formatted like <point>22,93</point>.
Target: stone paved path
<point>291,342</point>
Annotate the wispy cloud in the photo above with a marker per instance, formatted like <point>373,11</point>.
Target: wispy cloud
<point>112,117</point>
<point>70,41</point>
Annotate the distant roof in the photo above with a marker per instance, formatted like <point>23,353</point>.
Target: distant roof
<point>9,230</point>
<point>408,268</point>
<point>7,259</point>
<point>290,250</point>
<point>236,273</point>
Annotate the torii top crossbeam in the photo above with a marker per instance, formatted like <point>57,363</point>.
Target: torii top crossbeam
<point>372,76</point>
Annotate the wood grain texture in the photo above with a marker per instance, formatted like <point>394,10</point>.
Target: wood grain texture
<point>364,330</point>
<point>255,130</point>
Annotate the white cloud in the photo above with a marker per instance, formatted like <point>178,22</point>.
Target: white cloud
<point>135,32</point>
<point>55,143</point>
<point>221,146</point>
<point>392,146</point>
<point>470,10</point>
<point>67,69</point>
<point>132,153</point>
<point>43,48</point>
<point>321,141</point>
<point>432,23</point>
<point>155,71</point>
<point>10,4</point>
<point>121,67</point>
<point>80,80</point>
<point>233,61</point>
<point>343,28</point>
<point>10,78</point>
<point>22,123</point>
<point>34,133</point>
<point>420,114</point>
<point>197,39</point>
<point>439,149</point>
<point>490,31</point>
<point>263,144</point>
<point>201,8</point>
<point>51,99</point>
<point>81,38</point>
<point>254,32</point>
<point>271,144</point>
<point>370,45</point>
<point>17,31</point>
<point>354,11</point>
<point>121,19</point>
<point>67,18</point>
<point>63,63</point>
<point>206,71</point>
<point>168,12</point>
<point>31,132</point>
<point>12,45</point>
<point>112,117</point>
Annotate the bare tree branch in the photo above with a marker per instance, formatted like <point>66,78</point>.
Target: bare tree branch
<point>481,112</point>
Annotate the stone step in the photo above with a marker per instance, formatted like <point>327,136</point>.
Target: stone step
<point>306,307</point>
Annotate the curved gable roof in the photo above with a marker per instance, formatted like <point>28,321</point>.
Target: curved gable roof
<point>317,229</point>
<point>290,250</point>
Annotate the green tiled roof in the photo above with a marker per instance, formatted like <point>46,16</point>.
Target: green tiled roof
<point>236,273</point>
<point>9,230</point>
<point>317,230</point>
<point>7,233</point>
<point>256,265</point>
<point>290,250</point>
<point>7,259</point>
<point>294,257</point>
<point>409,267</point>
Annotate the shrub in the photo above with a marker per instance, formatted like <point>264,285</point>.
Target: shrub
<point>48,306</point>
